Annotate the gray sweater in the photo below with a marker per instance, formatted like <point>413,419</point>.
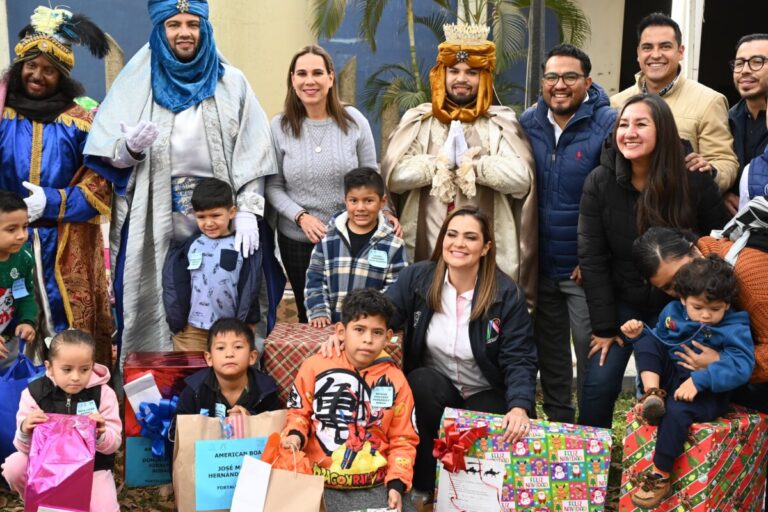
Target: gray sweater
<point>314,181</point>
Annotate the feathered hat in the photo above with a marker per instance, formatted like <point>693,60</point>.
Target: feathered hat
<point>52,32</point>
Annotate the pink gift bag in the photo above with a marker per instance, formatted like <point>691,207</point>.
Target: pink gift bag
<point>60,469</point>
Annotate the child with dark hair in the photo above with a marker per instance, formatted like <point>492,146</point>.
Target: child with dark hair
<point>353,413</point>
<point>707,289</point>
<point>73,384</point>
<point>231,384</point>
<point>206,278</point>
<point>18,311</point>
<point>359,250</point>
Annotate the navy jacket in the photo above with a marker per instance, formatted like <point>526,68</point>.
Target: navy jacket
<point>177,287</point>
<point>737,117</point>
<point>560,173</point>
<point>502,341</point>
<point>202,393</point>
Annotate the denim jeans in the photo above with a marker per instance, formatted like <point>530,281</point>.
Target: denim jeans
<point>602,384</point>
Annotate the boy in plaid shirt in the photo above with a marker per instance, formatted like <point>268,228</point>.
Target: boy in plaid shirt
<point>359,250</point>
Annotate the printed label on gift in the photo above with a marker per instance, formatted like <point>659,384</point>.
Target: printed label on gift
<point>477,489</point>
<point>382,397</point>
<point>536,482</point>
<point>570,455</point>
<point>575,506</point>
<point>142,469</point>
<point>86,408</point>
<point>217,466</point>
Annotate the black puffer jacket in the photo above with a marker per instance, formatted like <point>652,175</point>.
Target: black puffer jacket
<point>607,229</point>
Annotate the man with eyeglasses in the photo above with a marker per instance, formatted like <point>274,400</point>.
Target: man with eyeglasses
<point>701,113</point>
<point>460,150</point>
<point>566,128</point>
<point>747,118</point>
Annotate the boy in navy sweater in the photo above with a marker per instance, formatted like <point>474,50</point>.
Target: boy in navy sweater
<point>707,289</point>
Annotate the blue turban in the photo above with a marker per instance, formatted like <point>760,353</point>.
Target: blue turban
<point>179,85</point>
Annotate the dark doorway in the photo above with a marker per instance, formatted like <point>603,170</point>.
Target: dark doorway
<point>634,11</point>
<point>724,23</point>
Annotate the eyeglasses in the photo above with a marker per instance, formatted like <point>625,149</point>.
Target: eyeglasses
<point>568,78</point>
<point>756,63</point>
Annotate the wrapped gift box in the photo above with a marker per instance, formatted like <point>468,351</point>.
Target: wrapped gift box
<point>558,466</point>
<point>169,369</point>
<point>289,344</point>
<point>722,468</point>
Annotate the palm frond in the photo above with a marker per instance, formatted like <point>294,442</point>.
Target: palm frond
<point>510,33</point>
<point>378,82</point>
<point>369,22</point>
<point>327,16</point>
<point>574,24</point>
<point>434,22</point>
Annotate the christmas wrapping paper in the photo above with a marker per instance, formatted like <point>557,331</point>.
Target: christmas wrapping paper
<point>289,344</point>
<point>723,466</point>
<point>557,467</point>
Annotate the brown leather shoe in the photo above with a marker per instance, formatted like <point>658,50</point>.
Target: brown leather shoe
<point>653,489</point>
<point>652,403</point>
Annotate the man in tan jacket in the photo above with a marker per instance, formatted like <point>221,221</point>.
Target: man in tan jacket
<point>700,112</point>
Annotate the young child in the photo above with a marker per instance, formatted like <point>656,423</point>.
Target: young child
<point>359,250</point>
<point>73,384</point>
<point>17,295</point>
<point>353,414</point>
<point>707,289</point>
<point>206,278</point>
<point>230,384</point>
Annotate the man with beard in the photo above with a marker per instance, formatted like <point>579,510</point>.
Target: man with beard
<point>42,135</point>
<point>567,128</point>
<point>747,118</point>
<point>701,113</point>
<point>459,151</point>
<point>176,114</point>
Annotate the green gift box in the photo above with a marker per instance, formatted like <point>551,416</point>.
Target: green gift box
<point>557,466</point>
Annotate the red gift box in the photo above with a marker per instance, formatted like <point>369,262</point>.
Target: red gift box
<point>722,468</point>
<point>169,370</point>
<point>289,344</point>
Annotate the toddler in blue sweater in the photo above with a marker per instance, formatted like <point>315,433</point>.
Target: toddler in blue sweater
<point>706,288</point>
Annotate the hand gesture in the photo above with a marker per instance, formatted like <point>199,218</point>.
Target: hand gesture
<point>25,332</point>
<point>291,442</point>
<point>101,424</point>
<point>35,202</point>
<point>696,162</point>
<point>239,409</point>
<point>33,419</point>
<point>139,138</point>
<point>449,146</point>
<point>330,347</point>
<point>394,500</point>
<point>246,233</point>
<point>312,227</point>
<point>460,146</point>
<point>321,322</point>
<point>396,227</point>
<point>602,345</point>
<point>517,425</point>
<point>632,329</point>
<point>687,391</point>
<point>692,360</point>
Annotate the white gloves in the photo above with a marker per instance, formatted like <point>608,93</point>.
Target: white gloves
<point>455,144</point>
<point>36,202</point>
<point>140,137</point>
<point>246,233</point>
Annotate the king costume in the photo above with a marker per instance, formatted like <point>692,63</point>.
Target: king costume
<point>208,123</point>
<point>41,142</point>
<point>496,172</point>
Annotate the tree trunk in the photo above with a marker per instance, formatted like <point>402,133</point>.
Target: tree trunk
<point>535,51</point>
<point>412,44</point>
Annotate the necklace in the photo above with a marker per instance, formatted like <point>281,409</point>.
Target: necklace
<point>318,144</point>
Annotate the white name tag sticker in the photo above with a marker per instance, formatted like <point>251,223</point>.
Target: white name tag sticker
<point>382,397</point>
<point>86,408</point>
<point>377,258</point>
<point>195,260</point>
<point>19,289</point>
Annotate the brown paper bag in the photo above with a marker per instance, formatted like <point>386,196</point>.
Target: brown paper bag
<point>293,491</point>
<point>194,427</point>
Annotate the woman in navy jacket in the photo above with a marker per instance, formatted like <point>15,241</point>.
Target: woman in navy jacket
<point>468,336</point>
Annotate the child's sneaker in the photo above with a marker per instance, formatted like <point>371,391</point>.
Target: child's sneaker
<point>652,404</point>
<point>653,489</point>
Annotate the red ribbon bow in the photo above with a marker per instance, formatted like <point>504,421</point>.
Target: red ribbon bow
<point>450,450</point>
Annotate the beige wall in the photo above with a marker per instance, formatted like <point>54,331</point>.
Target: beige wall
<point>604,48</point>
<point>261,41</point>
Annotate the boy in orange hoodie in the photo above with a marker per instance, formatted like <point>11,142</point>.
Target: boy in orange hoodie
<point>353,414</point>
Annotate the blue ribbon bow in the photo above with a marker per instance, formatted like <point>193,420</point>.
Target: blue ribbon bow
<point>155,421</point>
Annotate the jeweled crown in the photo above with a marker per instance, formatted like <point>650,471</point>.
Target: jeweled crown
<point>461,33</point>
